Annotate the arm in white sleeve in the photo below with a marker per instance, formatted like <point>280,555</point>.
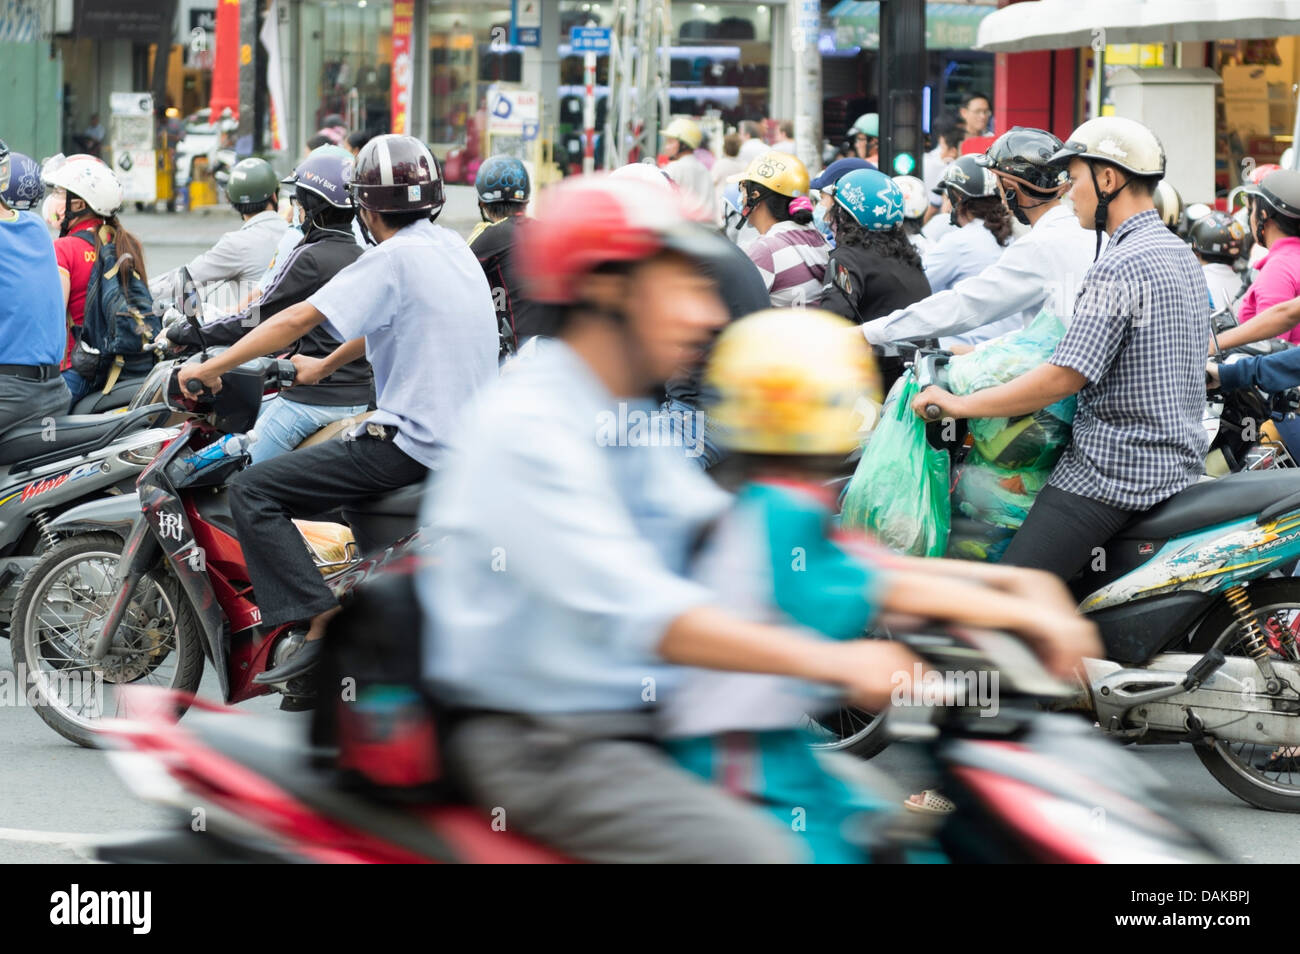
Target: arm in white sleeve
<point>1015,283</point>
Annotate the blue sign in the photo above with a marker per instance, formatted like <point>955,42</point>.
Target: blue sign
<point>526,22</point>
<point>590,39</point>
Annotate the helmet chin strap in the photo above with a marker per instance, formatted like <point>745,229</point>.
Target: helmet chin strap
<point>1103,207</point>
<point>365,231</point>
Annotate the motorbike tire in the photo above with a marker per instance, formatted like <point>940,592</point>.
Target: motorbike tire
<point>1244,781</point>
<point>851,731</point>
<point>188,646</point>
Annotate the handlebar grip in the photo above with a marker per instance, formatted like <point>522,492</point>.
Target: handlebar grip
<point>933,412</point>
<point>194,386</point>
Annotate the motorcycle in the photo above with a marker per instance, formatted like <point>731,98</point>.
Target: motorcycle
<point>1031,786</point>
<point>147,590</point>
<point>1199,617</point>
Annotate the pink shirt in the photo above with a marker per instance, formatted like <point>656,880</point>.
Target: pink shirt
<point>1278,280</point>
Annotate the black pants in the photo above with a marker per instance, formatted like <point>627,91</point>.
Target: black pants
<point>1063,532</point>
<point>306,483</point>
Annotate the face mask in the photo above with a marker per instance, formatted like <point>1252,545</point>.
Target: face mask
<point>52,210</point>
<point>823,226</point>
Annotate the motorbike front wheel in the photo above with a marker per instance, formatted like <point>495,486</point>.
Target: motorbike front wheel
<point>55,617</point>
<point>1249,770</point>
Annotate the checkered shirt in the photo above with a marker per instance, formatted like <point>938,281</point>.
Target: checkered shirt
<point>1139,334</point>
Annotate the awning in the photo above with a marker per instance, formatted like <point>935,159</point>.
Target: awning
<point>1067,24</point>
<point>948,26</point>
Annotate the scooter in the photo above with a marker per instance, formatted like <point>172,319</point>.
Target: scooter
<point>144,594</point>
<point>1030,786</point>
<point>1199,617</point>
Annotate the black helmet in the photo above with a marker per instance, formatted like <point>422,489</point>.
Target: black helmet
<point>1280,192</point>
<point>1025,156</point>
<point>394,173</point>
<point>969,176</point>
<point>502,179</point>
<point>1217,234</point>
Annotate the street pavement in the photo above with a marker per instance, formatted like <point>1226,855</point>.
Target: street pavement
<point>56,797</point>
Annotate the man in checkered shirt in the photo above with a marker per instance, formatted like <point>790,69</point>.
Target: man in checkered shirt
<point>1134,353</point>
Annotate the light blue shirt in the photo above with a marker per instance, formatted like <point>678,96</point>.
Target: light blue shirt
<point>423,304</point>
<point>32,326</point>
<point>561,556</point>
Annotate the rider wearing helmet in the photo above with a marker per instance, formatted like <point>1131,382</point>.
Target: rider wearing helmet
<point>566,654</point>
<point>981,230</point>
<point>1169,204</point>
<point>915,205</point>
<point>875,268</point>
<point>25,190</point>
<point>84,200</point>
<point>32,328</point>
<point>790,254</point>
<point>417,305</point>
<point>1041,268</point>
<point>503,194</point>
<point>227,272</point>
<point>824,186</point>
<point>865,135</point>
<point>1216,238</point>
<point>320,185</point>
<point>1134,352</point>
<point>681,138</point>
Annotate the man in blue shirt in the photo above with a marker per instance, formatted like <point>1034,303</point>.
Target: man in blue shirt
<point>419,308</point>
<point>1134,353</point>
<point>32,324</point>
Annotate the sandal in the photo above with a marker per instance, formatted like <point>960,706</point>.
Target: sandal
<point>931,803</point>
<point>1285,758</point>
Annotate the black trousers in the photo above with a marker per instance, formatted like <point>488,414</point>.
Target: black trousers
<point>306,483</point>
<point>1063,532</point>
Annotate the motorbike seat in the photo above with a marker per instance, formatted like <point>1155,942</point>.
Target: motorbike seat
<point>275,750</point>
<point>124,391</point>
<point>402,502</point>
<point>1210,502</point>
<point>35,439</point>
<point>380,521</point>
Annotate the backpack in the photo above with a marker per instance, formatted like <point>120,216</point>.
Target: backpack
<point>119,321</point>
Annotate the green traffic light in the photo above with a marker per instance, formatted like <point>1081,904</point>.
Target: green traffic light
<point>904,164</point>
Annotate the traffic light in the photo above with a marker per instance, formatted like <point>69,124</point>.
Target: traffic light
<point>902,79</point>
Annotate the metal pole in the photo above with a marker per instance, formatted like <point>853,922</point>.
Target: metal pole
<point>589,114</point>
<point>1295,132</point>
<point>805,16</point>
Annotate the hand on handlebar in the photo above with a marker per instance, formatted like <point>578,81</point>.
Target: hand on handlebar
<point>196,372</point>
<point>310,370</point>
<point>934,403</point>
<point>1212,379</point>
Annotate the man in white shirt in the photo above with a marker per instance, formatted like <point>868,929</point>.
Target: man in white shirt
<point>1042,269</point>
<point>751,141</point>
<point>935,162</point>
<point>681,139</point>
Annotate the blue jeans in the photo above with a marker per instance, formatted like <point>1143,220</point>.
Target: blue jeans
<point>78,385</point>
<point>283,425</point>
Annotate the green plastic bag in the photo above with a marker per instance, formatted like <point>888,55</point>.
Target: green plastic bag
<point>995,495</point>
<point>1034,440</point>
<point>899,491</point>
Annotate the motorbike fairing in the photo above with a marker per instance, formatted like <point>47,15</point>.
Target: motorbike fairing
<point>1134,632</point>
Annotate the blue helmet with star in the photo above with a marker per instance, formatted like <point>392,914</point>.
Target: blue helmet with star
<point>502,179</point>
<point>872,198</point>
<point>25,189</point>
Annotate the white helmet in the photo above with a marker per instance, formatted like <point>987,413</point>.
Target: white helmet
<point>1121,142</point>
<point>646,172</point>
<point>89,179</point>
<point>915,201</point>
<point>1168,203</point>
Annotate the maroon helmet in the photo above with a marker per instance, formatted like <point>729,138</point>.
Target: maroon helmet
<point>396,174</point>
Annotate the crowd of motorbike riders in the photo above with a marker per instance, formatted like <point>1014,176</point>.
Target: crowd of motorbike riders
<point>490,368</point>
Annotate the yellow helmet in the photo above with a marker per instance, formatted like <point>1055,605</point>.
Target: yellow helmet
<point>791,381</point>
<point>687,130</point>
<point>779,171</point>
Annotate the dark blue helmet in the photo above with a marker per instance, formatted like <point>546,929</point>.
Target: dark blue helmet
<point>326,174</point>
<point>502,179</point>
<point>25,189</point>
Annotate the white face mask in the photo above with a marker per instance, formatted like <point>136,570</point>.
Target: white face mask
<point>52,210</point>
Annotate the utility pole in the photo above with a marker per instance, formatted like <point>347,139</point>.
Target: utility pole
<point>247,77</point>
<point>805,16</point>
<point>902,77</point>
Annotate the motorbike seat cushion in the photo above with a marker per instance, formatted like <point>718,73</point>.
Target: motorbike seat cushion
<point>403,502</point>
<point>35,439</point>
<point>1209,502</point>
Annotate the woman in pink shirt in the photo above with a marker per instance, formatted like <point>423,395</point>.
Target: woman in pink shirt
<point>1275,223</point>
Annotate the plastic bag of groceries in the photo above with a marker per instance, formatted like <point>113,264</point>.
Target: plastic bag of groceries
<point>899,491</point>
<point>1033,440</point>
<point>972,540</point>
<point>996,495</point>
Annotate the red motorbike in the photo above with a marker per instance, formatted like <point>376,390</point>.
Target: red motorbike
<point>143,592</point>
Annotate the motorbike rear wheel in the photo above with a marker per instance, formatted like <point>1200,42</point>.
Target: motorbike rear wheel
<point>1240,766</point>
<point>54,617</point>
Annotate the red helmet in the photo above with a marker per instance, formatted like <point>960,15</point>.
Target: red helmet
<point>396,174</point>
<point>594,220</point>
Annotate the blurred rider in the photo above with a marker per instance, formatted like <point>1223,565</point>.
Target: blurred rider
<point>682,137</point>
<point>503,194</point>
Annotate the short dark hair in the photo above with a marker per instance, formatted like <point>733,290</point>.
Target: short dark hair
<point>252,208</point>
<point>400,220</point>
<point>952,133</point>
<point>318,140</point>
<point>499,210</point>
<point>359,138</point>
<point>972,95</point>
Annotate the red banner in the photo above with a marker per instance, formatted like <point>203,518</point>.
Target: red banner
<point>225,60</point>
<point>403,13</point>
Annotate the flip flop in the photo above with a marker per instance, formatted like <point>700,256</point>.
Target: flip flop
<point>932,803</point>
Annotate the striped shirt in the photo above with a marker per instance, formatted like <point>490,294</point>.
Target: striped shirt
<point>792,260</point>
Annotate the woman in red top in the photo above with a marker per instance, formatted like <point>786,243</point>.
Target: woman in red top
<point>85,200</point>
